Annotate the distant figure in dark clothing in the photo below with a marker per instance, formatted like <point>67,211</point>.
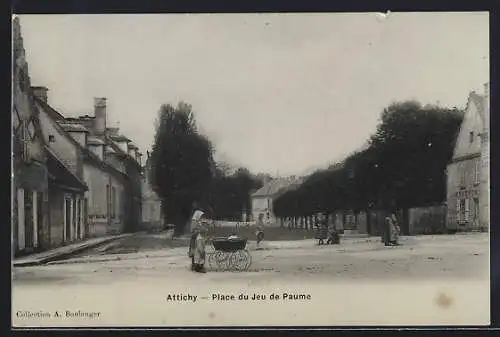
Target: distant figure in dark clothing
<point>259,232</point>
<point>322,229</point>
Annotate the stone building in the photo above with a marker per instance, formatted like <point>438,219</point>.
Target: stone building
<point>152,216</point>
<point>468,171</point>
<point>101,209</point>
<point>123,191</point>
<point>262,199</point>
<point>30,226</point>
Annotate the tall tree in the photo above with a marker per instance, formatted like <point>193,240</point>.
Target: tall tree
<point>182,164</point>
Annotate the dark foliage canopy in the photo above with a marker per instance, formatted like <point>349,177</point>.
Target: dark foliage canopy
<point>404,165</point>
<point>230,194</point>
<point>182,163</point>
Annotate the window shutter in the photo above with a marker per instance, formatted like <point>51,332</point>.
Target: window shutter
<point>108,199</point>
<point>467,209</point>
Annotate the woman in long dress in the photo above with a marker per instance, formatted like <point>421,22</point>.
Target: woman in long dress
<point>195,226</point>
<point>391,230</point>
<point>199,250</point>
<point>395,230</point>
<point>322,229</point>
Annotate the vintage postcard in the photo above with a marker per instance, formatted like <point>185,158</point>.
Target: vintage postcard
<point>239,170</point>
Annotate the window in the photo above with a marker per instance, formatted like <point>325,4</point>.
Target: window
<point>52,139</point>
<point>113,202</point>
<point>476,209</point>
<point>463,177</point>
<point>461,211</point>
<point>464,210</point>
<point>471,136</point>
<point>477,171</point>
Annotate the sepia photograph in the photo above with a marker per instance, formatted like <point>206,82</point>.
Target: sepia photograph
<point>249,170</point>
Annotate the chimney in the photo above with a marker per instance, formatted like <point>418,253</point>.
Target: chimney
<point>40,93</point>
<point>100,115</point>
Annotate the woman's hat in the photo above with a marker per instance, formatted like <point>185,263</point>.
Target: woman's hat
<point>197,215</point>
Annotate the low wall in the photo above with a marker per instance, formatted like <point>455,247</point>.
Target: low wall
<point>270,233</point>
<point>427,220</point>
<point>152,226</point>
<point>232,224</point>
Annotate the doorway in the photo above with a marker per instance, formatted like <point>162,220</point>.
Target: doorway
<point>39,220</point>
<point>67,219</point>
<point>28,220</point>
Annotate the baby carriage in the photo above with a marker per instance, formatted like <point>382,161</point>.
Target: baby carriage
<point>230,254</point>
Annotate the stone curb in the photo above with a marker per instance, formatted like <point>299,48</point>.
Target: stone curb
<point>67,254</point>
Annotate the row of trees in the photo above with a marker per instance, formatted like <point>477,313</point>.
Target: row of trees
<point>185,176</point>
<point>404,165</point>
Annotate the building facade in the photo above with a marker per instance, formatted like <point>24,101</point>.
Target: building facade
<point>468,171</point>
<point>262,199</point>
<point>100,208</point>
<point>152,216</point>
<point>66,202</point>
<point>30,226</point>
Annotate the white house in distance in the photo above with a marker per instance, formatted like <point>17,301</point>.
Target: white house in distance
<point>468,172</point>
<point>262,199</point>
<point>152,216</point>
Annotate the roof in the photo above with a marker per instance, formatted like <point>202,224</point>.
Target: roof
<point>72,127</point>
<point>52,113</point>
<point>120,138</point>
<point>61,175</point>
<point>275,186</point>
<point>119,151</point>
<point>94,141</point>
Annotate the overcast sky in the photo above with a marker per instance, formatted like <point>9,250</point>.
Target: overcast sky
<point>268,89</point>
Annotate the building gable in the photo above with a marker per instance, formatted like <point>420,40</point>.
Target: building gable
<point>468,142</point>
<point>27,134</point>
<point>59,141</point>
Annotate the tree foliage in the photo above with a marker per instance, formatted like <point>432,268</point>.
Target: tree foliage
<point>182,164</point>
<point>404,165</point>
<point>230,193</point>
